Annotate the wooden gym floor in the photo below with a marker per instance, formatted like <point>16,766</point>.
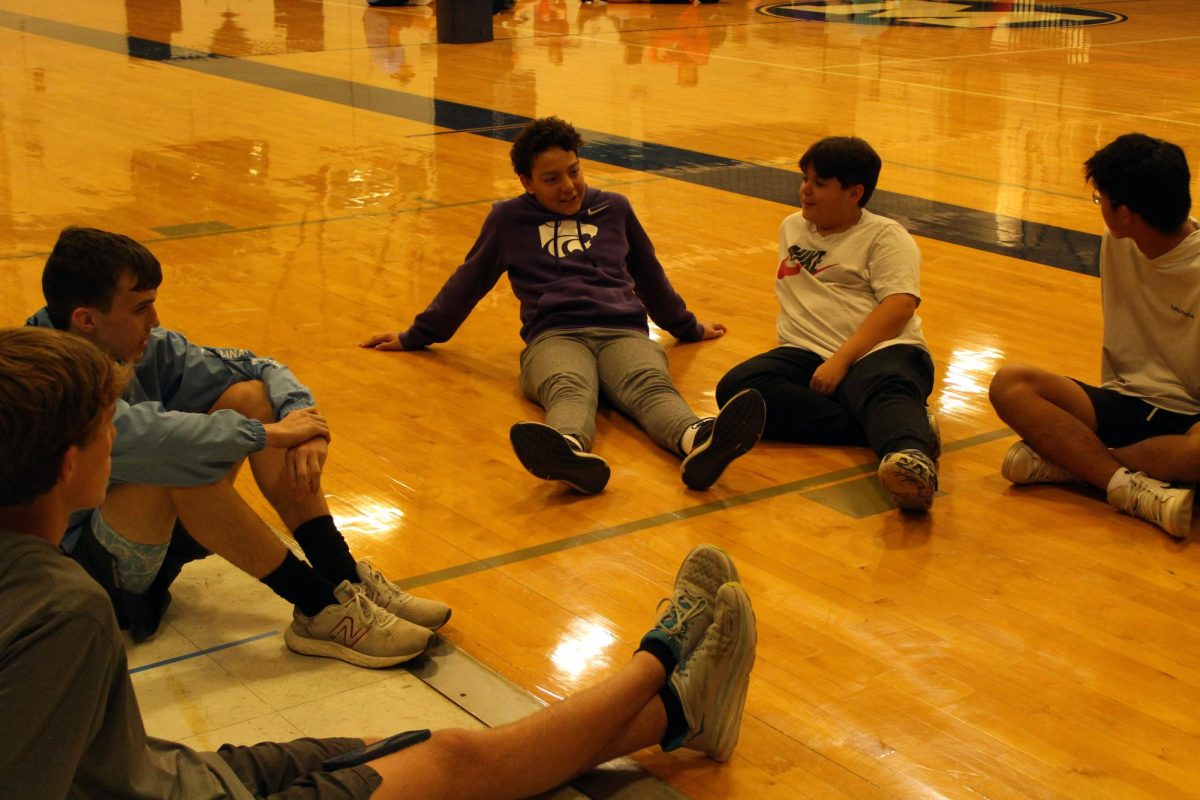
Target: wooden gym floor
<point>311,172</point>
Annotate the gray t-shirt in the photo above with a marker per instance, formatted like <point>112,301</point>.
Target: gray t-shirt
<point>71,724</point>
<point>1152,323</point>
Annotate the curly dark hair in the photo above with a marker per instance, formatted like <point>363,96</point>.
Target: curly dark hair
<point>540,136</point>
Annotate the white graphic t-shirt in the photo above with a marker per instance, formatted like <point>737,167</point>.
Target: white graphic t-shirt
<point>827,285</point>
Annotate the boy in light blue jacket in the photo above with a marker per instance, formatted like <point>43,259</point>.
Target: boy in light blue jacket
<point>187,419</point>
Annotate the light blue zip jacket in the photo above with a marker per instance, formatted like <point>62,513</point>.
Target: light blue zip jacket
<point>165,435</point>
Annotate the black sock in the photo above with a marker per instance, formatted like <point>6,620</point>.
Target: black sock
<point>327,551</point>
<point>662,651</point>
<point>677,724</point>
<point>300,585</point>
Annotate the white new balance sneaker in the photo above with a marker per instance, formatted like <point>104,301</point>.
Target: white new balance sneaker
<point>356,631</point>
<point>394,600</point>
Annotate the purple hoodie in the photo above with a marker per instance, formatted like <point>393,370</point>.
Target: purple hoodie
<point>596,268</point>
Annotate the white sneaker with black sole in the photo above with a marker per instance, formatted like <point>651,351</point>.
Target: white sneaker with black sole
<point>356,631</point>
<point>548,455</point>
<point>719,440</point>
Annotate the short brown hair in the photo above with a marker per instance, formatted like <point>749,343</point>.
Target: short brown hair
<point>54,390</point>
<point>85,268</point>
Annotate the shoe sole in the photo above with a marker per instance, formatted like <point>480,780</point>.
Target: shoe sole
<point>906,485</point>
<point>737,429</point>
<point>545,454</point>
<point>327,649</point>
<point>729,725</point>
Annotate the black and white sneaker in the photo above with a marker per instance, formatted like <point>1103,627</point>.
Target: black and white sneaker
<point>549,455</point>
<point>721,439</point>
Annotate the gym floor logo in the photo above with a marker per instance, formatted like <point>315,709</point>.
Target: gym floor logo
<point>941,14</point>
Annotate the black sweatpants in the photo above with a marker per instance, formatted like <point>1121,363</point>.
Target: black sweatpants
<point>879,404</point>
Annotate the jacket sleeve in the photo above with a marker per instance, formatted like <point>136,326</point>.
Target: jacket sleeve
<point>191,378</point>
<point>465,288</point>
<point>663,303</point>
<point>175,448</point>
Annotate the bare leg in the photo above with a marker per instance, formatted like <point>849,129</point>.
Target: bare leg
<point>544,750</point>
<point>1056,418</point>
<point>1167,458</point>
<point>217,517</point>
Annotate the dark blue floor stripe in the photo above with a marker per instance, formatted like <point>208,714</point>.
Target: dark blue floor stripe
<point>1009,236</point>
<point>204,652</point>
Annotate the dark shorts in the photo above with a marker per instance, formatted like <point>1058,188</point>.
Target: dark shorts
<point>292,770</point>
<point>1122,420</point>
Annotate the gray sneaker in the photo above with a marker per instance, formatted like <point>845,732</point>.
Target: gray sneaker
<point>548,455</point>
<point>711,683</point>
<point>1023,464</point>
<point>394,600</point>
<point>1169,507</point>
<point>910,477</point>
<point>356,631</point>
<point>684,617</point>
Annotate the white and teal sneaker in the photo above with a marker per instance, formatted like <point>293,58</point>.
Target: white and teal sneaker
<point>711,682</point>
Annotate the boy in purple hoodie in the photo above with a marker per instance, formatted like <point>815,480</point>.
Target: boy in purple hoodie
<point>586,276</point>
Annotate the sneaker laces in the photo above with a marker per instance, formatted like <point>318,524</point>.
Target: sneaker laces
<point>1144,499</point>
<point>678,614</point>
<point>386,590</point>
<point>368,611</point>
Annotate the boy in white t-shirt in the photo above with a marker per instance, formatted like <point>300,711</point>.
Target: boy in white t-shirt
<point>1136,436</point>
<point>852,366</point>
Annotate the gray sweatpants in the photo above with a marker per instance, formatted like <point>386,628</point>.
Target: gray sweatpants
<point>565,369</point>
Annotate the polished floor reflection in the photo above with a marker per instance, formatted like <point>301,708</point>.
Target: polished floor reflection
<point>310,172</point>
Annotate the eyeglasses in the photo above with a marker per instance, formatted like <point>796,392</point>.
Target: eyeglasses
<point>1096,197</point>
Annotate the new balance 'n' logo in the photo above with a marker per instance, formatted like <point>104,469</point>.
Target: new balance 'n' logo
<point>347,632</point>
<point>560,238</point>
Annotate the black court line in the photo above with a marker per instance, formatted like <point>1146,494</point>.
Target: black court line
<point>1010,236</point>
<point>668,517</point>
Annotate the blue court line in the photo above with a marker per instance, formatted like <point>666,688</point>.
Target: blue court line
<point>204,652</point>
<point>1050,245</point>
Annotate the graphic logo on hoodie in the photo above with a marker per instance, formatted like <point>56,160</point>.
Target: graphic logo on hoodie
<point>561,238</point>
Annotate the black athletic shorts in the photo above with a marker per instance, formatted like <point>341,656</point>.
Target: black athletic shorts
<point>1122,420</point>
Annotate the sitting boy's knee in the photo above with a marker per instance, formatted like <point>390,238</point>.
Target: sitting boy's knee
<point>1008,379</point>
<point>248,398</point>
